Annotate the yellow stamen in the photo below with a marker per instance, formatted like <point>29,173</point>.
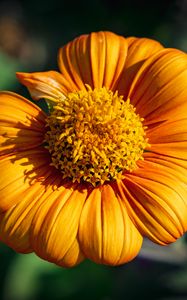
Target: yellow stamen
<point>95,136</point>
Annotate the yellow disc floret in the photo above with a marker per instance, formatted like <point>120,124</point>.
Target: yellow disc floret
<point>95,136</point>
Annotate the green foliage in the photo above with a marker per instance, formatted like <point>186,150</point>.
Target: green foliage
<point>8,68</point>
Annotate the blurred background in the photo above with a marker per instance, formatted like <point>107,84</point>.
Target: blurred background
<point>30,34</point>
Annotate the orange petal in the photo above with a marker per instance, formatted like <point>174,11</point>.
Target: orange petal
<point>172,166</point>
<point>96,59</point>
<point>49,85</point>
<point>159,90</point>
<point>90,230</point>
<point>106,233</point>
<point>72,257</point>
<point>15,223</point>
<point>22,124</point>
<point>156,201</point>
<point>55,225</point>
<point>139,49</point>
<point>19,172</point>
<point>169,138</point>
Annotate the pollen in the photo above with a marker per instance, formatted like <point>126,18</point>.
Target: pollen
<point>95,136</point>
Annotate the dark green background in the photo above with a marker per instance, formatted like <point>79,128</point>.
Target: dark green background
<point>30,34</point>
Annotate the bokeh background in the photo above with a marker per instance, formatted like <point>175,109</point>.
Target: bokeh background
<point>30,34</point>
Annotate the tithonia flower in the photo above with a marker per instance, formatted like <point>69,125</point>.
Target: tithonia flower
<point>108,164</point>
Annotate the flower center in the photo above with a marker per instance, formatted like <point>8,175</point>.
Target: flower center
<point>95,136</point>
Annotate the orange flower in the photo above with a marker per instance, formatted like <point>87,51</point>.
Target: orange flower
<point>108,165</point>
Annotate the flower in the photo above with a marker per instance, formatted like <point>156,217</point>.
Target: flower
<point>108,164</point>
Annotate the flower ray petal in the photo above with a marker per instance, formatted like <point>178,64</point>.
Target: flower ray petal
<point>96,59</point>
<point>170,165</point>
<point>19,172</point>
<point>139,49</point>
<point>106,233</point>
<point>22,124</point>
<point>49,85</point>
<point>73,256</point>
<point>156,202</point>
<point>15,223</point>
<point>172,141</point>
<point>58,216</point>
<point>160,87</point>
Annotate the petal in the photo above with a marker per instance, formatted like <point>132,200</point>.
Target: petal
<point>49,85</point>
<point>73,256</point>
<point>19,172</point>
<point>139,49</point>
<point>15,223</point>
<point>55,225</point>
<point>172,166</point>
<point>96,59</point>
<point>169,138</point>
<point>90,229</point>
<point>22,124</point>
<point>156,201</point>
<point>159,90</point>
<point>106,233</point>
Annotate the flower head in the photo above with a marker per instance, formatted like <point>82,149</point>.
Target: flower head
<point>94,136</point>
<point>108,164</point>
